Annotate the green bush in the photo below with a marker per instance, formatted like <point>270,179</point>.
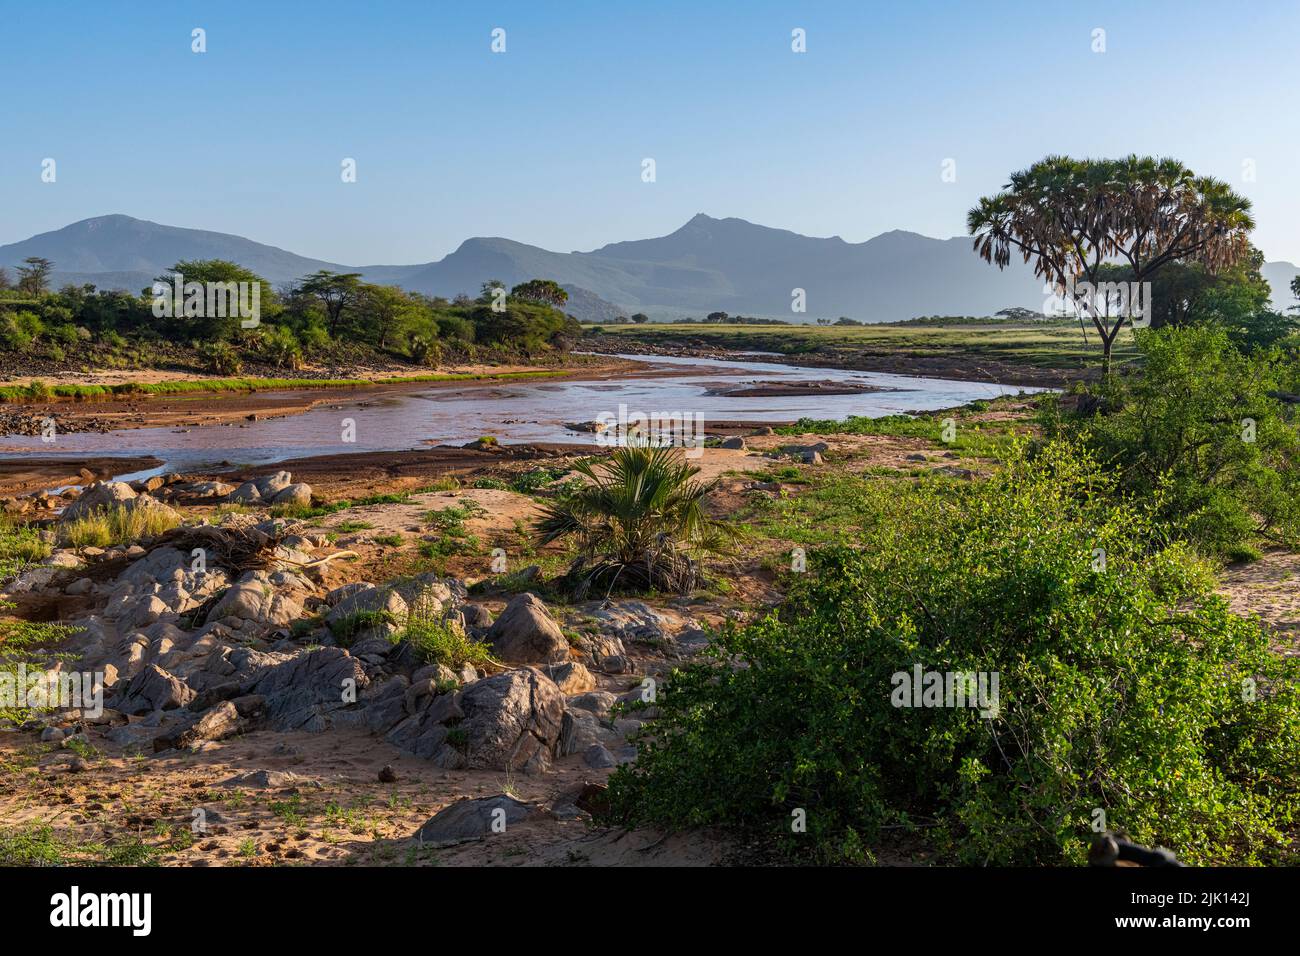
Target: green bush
<point>1201,423</point>
<point>1120,689</point>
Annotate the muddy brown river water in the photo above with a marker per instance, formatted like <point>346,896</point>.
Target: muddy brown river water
<point>522,411</point>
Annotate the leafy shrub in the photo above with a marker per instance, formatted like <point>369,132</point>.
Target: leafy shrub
<point>20,545</point>
<point>220,358</point>
<point>280,347</point>
<point>1202,424</point>
<point>1119,689</point>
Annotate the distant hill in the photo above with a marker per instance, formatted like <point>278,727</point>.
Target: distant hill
<point>707,265</point>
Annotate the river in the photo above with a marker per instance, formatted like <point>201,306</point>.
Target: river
<point>520,411</point>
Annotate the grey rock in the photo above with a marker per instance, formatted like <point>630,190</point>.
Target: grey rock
<point>525,633</point>
<point>571,677</point>
<point>152,689</point>
<point>598,758</point>
<point>467,820</point>
<point>296,494</point>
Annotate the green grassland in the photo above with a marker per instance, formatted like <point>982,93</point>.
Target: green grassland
<point>1046,344</point>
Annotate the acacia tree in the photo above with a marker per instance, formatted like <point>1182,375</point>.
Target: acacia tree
<point>34,275</point>
<point>336,292</point>
<point>1073,217</point>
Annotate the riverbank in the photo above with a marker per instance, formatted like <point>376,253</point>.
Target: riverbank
<point>111,401</point>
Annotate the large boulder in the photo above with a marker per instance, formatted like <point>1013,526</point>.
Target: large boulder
<point>220,722</point>
<point>309,691</point>
<point>571,677</point>
<point>510,721</point>
<point>150,690</point>
<point>368,600</point>
<point>295,494</point>
<point>255,599</point>
<point>246,494</point>
<point>268,486</point>
<point>100,495</point>
<point>525,633</point>
<point>467,820</point>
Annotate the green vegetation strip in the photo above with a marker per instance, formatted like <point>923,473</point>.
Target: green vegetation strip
<point>38,391</point>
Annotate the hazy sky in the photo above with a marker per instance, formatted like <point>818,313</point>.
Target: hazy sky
<point>544,143</point>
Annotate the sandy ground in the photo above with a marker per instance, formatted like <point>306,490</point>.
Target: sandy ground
<point>1269,588</point>
<point>336,813</point>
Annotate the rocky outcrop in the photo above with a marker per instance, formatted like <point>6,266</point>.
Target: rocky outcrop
<point>510,721</point>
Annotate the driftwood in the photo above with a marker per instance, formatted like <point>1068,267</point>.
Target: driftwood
<point>238,549</point>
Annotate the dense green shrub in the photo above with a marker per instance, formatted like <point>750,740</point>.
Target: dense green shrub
<point>1203,423</point>
<point>1120,689</point>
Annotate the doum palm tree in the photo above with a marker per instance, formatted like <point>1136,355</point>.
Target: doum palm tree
<point>1072,218</point>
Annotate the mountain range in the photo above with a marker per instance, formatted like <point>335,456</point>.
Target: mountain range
<point>707,265</point>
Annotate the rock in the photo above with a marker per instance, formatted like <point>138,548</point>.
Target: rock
<point>571,677</point>
<point>245,494</point>
<point>344,591</point>
<point>952,471</point>
<point>615,664</point>
<point>734,442</point>
<point>917,457</point>
<point>255,599</point>
<point>51,735</point>
<point>387,774</point>
<point>597,702</point>
<point>368,600</point>
<point>79,586</point>
<point>476,615</point>
<point>149,485</point>
<point>267,780</point>
<point>525,633</point>
<point>598,758</point>
<point>297,494</point>
<point>271,485</point>
<point>218,723</point>
<point>100,495</point>
<point>692,640</point>
<point>467,820</point>
<point>510,721</point>
<point>578,732</point>
<point>308,691</point>
<point>203,490</point>
<point>152,689</point>
<point>632,621</point>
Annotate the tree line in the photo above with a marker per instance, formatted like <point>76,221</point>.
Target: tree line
<point>315,317</point>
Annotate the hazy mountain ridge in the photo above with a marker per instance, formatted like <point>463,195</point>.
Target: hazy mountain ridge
<point>707,265</point>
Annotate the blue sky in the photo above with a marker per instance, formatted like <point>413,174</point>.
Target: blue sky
<point>544,143</point>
